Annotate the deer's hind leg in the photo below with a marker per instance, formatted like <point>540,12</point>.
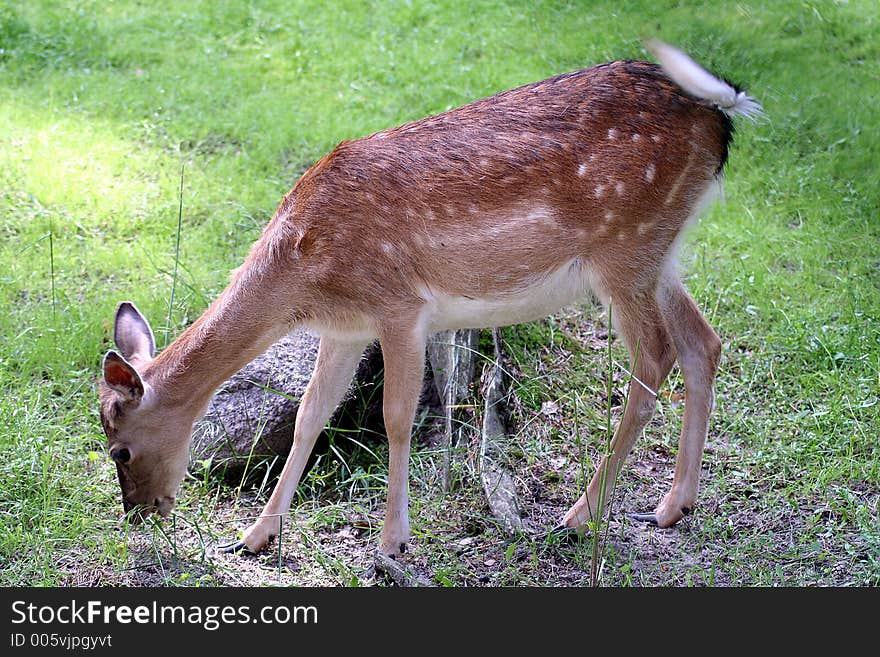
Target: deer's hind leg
<point>652,354</point>
<point>699,350</point>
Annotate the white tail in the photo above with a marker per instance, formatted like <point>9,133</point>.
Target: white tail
<point>498,212</point>
<point>696,80</point>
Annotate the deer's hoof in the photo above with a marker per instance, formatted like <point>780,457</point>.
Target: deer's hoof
<point>234,547</point>
<point>563,533</point>
<point>650,518</point>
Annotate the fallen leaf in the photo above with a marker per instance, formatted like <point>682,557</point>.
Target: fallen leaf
<point>549,408</point>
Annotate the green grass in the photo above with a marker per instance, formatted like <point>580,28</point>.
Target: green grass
<point>102,103</point>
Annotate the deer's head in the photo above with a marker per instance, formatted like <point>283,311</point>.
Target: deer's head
<point>147,436</point>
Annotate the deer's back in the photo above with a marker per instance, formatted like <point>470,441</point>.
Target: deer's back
<point>593,169</point>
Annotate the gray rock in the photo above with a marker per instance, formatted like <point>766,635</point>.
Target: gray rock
<point>252,416</point>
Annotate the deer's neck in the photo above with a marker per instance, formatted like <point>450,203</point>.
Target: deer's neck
<point>241,324</point>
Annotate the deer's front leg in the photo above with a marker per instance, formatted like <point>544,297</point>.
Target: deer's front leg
<point>403,351</point>
<point>334,368</point>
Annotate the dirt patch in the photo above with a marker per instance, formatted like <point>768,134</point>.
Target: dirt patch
<point>455,540</point>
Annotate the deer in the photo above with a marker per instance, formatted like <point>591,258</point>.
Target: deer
<point>498,212</point>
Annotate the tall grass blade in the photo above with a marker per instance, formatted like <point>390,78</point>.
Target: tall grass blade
<point>176,257</point>
<point>52,271</point>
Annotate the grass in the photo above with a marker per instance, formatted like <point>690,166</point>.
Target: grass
<point>102,104</point>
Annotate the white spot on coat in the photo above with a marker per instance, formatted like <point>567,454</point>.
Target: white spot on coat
<point>679,181</point>
<point>541,216</point>
<point>612,133</point>
<point>650,172</point>
<point>619,188</point>
<point>582,169</point>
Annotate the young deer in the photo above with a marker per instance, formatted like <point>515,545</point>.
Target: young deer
<point>498,212</point>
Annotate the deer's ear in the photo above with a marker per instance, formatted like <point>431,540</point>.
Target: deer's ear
<point>122,378</point>
<point>132,333</point>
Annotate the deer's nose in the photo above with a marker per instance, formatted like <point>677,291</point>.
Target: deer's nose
<point>164,505</point>
<point>136,512</point>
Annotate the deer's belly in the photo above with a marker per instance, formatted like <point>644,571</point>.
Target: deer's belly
<point>528,301</point>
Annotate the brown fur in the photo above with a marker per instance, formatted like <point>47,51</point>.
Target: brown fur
<point>450,177</point>
<point>594,172</point>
